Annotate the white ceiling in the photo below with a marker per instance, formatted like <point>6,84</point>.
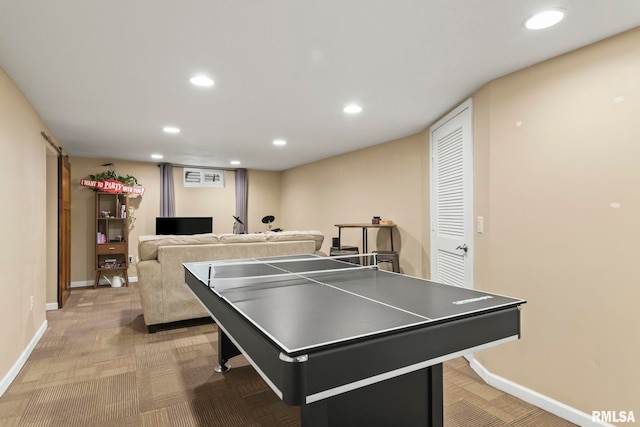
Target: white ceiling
<point>107,75</point>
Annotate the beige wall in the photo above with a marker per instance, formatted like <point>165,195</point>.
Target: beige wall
<point>554,155</point>
<point>264,190</point>
<point>264,199</point>
<point>385,180</point>
<point>23,225</point>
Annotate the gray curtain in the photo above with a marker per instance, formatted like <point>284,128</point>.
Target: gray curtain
<point>167,195</point>
<point>242,192</point>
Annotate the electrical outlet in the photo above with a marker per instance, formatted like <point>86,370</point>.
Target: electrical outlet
<point>31,303</point>
<point>130,259</point>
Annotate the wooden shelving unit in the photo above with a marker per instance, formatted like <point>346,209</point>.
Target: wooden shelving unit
<point>111,235</point>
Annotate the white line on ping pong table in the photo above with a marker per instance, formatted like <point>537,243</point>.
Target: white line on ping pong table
<point>353,293</point>
<point>286,273</point>
<point>303,348</point>
<point>283,259</point>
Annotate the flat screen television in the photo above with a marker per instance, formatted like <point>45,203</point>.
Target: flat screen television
<point>184,225</point>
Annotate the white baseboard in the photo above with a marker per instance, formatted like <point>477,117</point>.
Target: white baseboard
<point>82,284</point>
<point>537,399</point>
<point>15,369</point>
<point>89,283</point>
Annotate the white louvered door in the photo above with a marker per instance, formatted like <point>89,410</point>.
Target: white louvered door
<point>451,149</point>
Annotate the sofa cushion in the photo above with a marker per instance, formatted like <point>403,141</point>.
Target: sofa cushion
<point>242,238</point>
<point>282,236</point>
<point>148,245</point>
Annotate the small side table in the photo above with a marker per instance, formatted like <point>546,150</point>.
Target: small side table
<point>365,226</point>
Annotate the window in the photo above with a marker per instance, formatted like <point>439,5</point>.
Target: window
<point>202,177</point>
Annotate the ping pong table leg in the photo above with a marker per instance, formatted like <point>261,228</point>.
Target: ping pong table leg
<point>436,399</point>
<point>226,350</point>
<point>411,399</point>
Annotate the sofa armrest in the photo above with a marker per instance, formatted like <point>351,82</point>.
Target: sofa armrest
<point>151,293</point>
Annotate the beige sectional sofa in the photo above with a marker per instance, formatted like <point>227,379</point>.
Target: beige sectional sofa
<point>166,298</point>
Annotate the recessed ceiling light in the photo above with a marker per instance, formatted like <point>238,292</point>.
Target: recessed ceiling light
<point>157,156</point>
<point>544,19</point>
<point>201,80</point>
<point>352,109</point>
<point>235,162</point>
<point>279,142</point>
<point>171,129</point>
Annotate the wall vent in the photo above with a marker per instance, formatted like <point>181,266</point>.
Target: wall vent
<point>192,177</point>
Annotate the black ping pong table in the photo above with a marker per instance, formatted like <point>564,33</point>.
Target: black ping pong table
<point>353,346</point>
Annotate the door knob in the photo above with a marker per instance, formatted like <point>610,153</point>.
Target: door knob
<point>463,247</point>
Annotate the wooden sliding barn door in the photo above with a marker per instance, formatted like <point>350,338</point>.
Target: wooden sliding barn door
<point>64,230</point>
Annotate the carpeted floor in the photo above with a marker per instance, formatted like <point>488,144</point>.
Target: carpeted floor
<point>96,365</point>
